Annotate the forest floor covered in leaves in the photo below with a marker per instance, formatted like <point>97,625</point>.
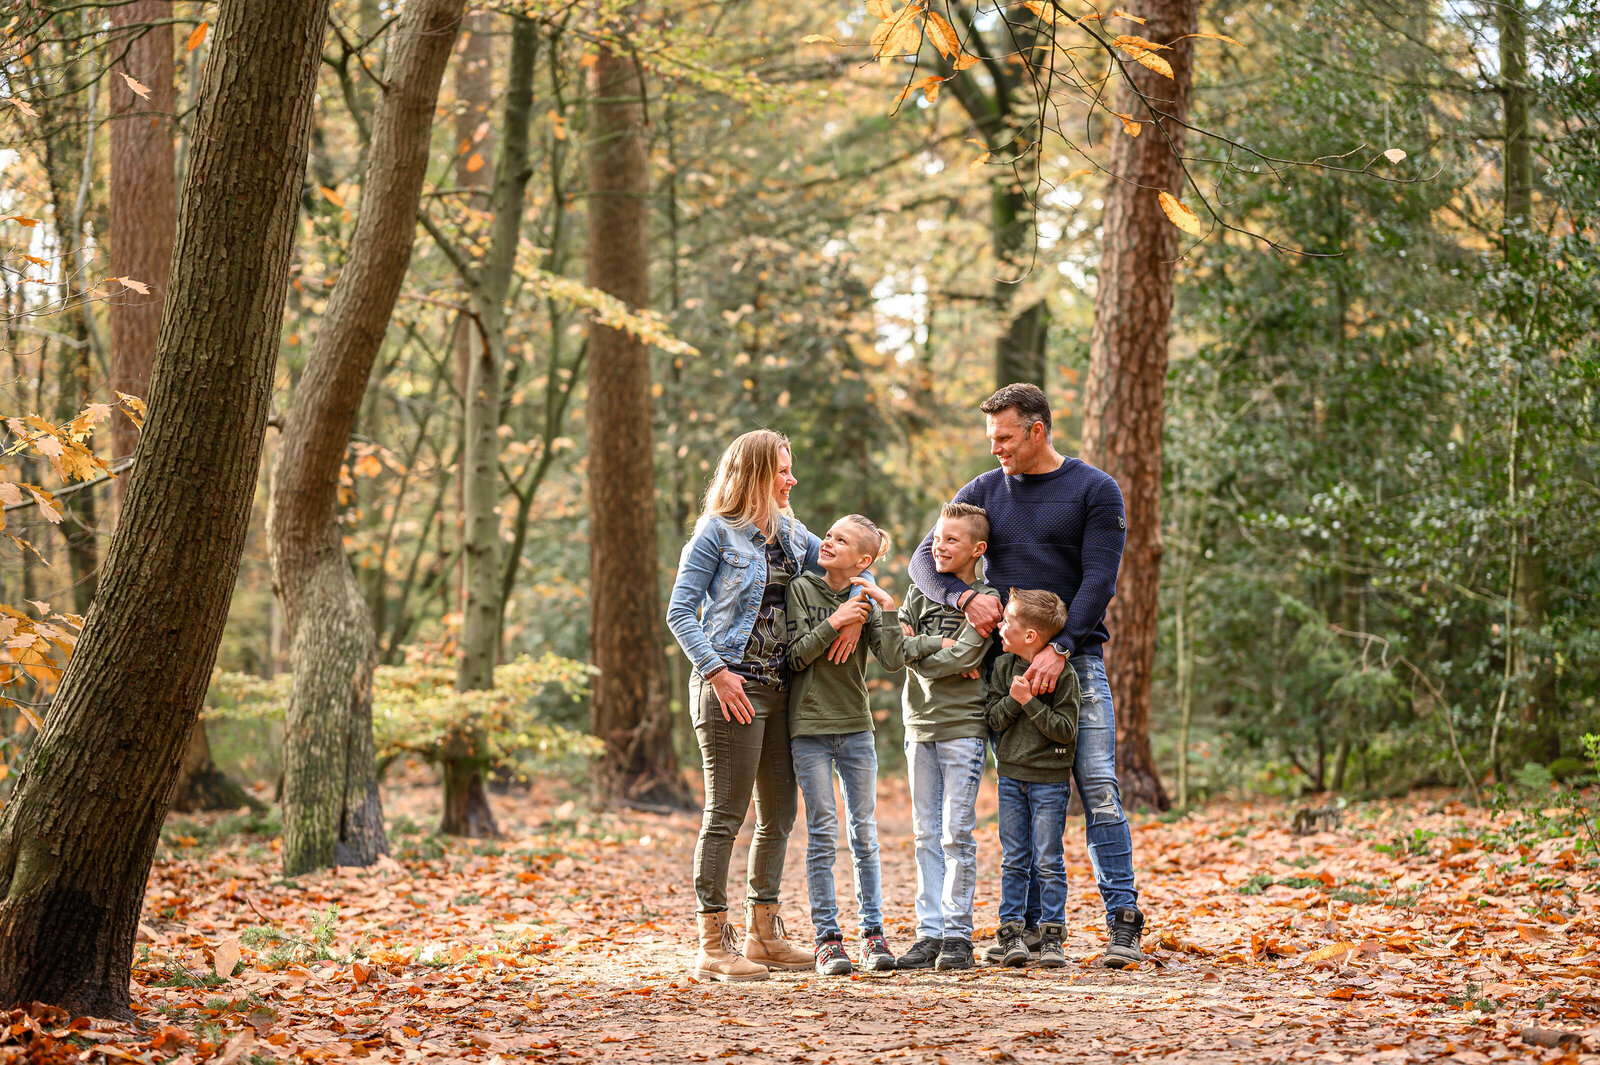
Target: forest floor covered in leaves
<point>1417,930</point>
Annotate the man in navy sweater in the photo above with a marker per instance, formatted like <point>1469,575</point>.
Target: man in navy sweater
<point>1056,523</point>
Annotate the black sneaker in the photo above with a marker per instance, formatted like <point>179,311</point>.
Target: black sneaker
<point>1051,955</point>
<point>1009,945</point>
<point>993,955</point>
<point>955,954</point>
<point>1126,928</point>
<point>876,957</point>
<point>921,955</point>
<point>832,959</point>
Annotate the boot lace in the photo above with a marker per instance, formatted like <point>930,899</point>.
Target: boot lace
<point>1125,934</point>
<point>778,931</point>
<point>1010,939</point>
<point>730,941</point>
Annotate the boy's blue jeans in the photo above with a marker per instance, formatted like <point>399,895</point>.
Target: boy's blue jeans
<point>854,756</point>
<point>944,778</point>
<point>1095,769</point>
<point>1032,819</point>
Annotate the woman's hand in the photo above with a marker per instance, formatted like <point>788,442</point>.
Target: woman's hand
<point>873,592</point>
<point>844,644</point>
<point>850,612</point>
<point>729,687</point>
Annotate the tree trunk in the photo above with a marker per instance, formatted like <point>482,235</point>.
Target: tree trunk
<point>332,812</point>
<point>201,785</point>
<point>77,840</point>
<point>628,708</point>
<point>1126,391</point>
<point>1530,586</point>
<point>466,754</point>
<point>1020,349</point>
<point>143,205</point>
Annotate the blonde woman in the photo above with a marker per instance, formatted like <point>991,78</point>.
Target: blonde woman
<point>727,612</point>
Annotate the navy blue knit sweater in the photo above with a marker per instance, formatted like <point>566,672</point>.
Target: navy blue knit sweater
<point>1061,531</point>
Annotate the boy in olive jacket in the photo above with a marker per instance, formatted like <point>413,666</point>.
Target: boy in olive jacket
<point>831,730</point>
<point>946,733</point>
<point>1036,739</point>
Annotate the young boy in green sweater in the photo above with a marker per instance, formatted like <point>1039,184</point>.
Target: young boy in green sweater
<point>946,730</point>
<point>1036,739</point>
<point>831,730</point>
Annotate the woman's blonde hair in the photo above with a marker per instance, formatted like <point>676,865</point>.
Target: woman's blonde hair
<point>741,489</point>
<point>877,543</point>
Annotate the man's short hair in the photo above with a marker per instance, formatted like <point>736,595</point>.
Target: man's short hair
<point>1040,610</point>
<point>1027,400</point>
<point>976,517</point>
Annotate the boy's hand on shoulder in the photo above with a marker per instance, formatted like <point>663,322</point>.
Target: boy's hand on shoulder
<point>1021,691</point>
<point>851,612</point>
<point>873,592</point>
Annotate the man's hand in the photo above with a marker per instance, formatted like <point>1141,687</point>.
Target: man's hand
<point>844,644</point>
<point>729,687</point>
<point>983,612</point>
<point>1045,670</point>
<point>1019,688</point>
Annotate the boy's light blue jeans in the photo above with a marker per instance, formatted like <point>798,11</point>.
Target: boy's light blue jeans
<point>1095,770</point>
<point>854,756</point>
<point>1032,819</point>
<point>944,779</point>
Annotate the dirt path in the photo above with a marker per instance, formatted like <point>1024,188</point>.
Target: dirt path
<point>570,939</point>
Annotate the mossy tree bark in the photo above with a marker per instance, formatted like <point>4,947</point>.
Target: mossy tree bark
<point>628,708</point>
<point>77,840</point>
<point>466,754</point>
<point>332,813</point>
<point>1125,398</point>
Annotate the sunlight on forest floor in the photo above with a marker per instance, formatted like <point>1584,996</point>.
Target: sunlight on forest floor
<point>1418,931</point>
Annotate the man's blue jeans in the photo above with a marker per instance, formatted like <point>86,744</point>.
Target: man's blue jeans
<point>1032,819</point>
<point>854,756</point>
<point>944,778</point>
<point>1095,770</point>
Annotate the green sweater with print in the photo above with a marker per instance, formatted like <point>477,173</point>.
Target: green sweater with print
<point>939,703</point>
<point>1037,740</point>
<point>824,698</point>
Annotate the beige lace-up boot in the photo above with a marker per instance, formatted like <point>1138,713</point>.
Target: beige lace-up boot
<point>719,957</point>
<point>765,941</point>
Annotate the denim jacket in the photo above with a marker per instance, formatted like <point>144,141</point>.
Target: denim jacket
<point>717,593</point>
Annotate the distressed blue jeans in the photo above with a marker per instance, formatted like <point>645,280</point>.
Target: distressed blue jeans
<point>854,756</point>
<point>1095,770</point>
<point>1032,820</point>
<point>944,778</point>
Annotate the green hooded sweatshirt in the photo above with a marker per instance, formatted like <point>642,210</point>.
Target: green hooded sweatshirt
<point>1037,740</point>
<point>827,699</point>
<point>941,704</point>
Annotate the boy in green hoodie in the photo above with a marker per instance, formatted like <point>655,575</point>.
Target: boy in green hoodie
<point>831,730</point>
<point>1036,739</point>
<point>946,731</point>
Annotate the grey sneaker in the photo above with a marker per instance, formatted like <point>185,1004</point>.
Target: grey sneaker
<point>922,954</point>
<point>876,957</point>
<point>1126,928</point>
<point>993,954</point>
<point>956,954</point>
<point>831,958</point>
<point>1013,953</point>
<point>1051,956</point>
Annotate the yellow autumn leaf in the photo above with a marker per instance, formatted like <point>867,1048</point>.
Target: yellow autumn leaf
<point>943,35</point>
<point>198,37</point>
<point>1134,44</point>
<point>906,37</point>
<point>1179,215</point>
<point>331,196</point>
<point>1119,13</point>
<point>974,166</point>
<point>138,286</point>
<point>1044,9</point>
<point>23,106</point>
<point>1216,37</point>
<point>1332,950</point>
<point>813,38</point>
<point>1080,172</point>
<point>1394,155</point>
<point>883,9</point>
<point>1151,61</point>
<point>139,90</point>
<point>1129,126</point>
<point>21,220</point>
<point>963,61</point>
<point>474,162</point>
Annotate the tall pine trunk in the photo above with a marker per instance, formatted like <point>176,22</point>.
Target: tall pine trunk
<point>77,840</point>
<point>629,708</point>
<point>466,754</point>
<point>332,813</point>
<point>1125,395</point>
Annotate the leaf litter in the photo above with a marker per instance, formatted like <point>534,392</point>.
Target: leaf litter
<point>1418,931</point>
